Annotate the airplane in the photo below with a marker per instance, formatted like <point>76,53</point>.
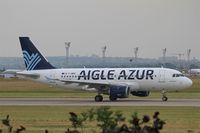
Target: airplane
<point>194,72</point>
<point>115,82</point>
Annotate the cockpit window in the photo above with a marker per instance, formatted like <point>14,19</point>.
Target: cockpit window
<point>177,75</point>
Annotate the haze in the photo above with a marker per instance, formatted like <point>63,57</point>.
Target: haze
<point>122,25</point>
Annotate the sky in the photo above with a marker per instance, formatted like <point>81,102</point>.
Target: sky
<point>121,25</point>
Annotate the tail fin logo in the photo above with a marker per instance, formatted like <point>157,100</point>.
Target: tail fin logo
<point>31,61</point>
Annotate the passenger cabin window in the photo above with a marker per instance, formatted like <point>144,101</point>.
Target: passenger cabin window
<point>68,75</point>
<point>177,75</point>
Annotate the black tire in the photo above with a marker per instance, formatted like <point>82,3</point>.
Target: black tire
<point>98,98</point>
<point>112,98</point>
<point>164,99</point>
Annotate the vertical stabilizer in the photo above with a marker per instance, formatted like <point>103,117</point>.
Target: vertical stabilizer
<point>33,59</point>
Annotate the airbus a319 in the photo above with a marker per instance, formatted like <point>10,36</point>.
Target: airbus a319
<point>115,82</point>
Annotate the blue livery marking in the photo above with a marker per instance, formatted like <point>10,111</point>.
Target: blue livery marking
<point>112,75</point>
<point>31,61</point>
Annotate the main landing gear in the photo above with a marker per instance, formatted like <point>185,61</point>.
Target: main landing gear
<point>112,98</point>
<point>98,98</point>
<point>164,97</point>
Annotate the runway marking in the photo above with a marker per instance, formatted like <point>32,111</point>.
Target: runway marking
<point>91,102</point>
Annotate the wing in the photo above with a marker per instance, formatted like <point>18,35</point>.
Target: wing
<point>105,85</point>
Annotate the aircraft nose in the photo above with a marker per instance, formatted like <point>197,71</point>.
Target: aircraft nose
<point>188,82</point>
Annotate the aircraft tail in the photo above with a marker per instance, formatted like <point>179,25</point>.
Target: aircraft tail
<point>33,59</point>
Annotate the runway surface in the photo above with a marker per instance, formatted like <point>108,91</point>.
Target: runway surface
<point>91,102</point>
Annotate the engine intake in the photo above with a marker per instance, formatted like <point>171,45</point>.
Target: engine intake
<point>140,93</point>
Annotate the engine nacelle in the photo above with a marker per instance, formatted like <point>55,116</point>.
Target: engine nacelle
<point>119,91</point>
<point>140,93</point>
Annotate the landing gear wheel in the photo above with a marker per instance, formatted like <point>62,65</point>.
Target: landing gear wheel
<point>164,98</point>
<point>112,98</point>
<point>98,98</point>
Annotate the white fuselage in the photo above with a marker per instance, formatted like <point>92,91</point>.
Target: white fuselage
<point>144,79</point>
<point>195,72</point>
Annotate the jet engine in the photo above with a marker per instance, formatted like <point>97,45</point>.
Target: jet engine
<point>119,91</point>
<point>140,93</point>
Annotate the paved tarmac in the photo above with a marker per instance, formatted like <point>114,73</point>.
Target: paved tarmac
<point>91,102</point>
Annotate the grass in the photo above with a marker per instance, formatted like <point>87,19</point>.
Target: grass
<point>23,88</point>
<point>37,118</point>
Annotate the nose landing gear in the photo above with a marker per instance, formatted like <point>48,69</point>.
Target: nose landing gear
<point>164,97</point>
